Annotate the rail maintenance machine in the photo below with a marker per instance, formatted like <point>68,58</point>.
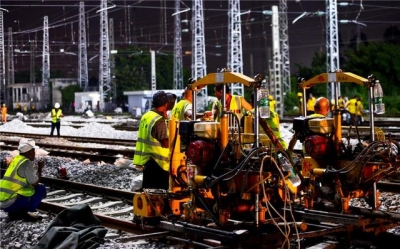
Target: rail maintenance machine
<point>230,186</point>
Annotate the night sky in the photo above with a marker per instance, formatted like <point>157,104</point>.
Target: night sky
<point>151,26</point>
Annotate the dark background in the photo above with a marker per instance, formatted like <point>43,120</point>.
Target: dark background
<point>151,27</point>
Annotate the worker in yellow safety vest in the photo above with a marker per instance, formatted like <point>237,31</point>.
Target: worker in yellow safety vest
<point>152,146</point>
<point>273,124</point>
<point>56,115</point>
<point>310,104</point>
<point>351,106</point>
<point>20,191</point>
<point>183,109</point>
<point>234,103</point>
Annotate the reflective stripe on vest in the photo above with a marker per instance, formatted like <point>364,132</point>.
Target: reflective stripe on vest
<point>178,112</point>
<point>12,184</point>
<point>55,115</point>
<point>147,146</point>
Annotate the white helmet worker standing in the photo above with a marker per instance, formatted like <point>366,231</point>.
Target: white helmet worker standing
<point>56,115</point>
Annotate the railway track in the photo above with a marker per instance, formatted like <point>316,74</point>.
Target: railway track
<point>108,155</point>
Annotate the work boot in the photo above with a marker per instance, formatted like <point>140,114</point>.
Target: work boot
<point>31,217</point>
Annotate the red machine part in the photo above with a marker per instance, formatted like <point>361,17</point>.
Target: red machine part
<point>316,146</point>
<point>200,152</point>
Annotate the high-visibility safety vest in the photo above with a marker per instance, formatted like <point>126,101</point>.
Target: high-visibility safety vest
<point>352,106</point>
<point>359,108</point>
<point>147,146</point>
<point>316,115</point>
<point>178,112</point>
<point>310,104</point>
<point>12,184</point>
<point>55,115</point>
<point>235,106</point>
<point>272,104</point>
<point>273,123</point>
<point>341,103</point>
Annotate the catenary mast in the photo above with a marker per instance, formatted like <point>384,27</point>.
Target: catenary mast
<point>83,67</point>
<point>104,67</point>
<point>2,62</point>
<point>235,57</point>
<point>284,37</point>
<point>178,69</point>
<point>199,68</point>
<point>46,63</point>
<point>10,68</point>
<point>332,46</point>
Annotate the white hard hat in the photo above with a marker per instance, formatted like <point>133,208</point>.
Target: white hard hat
<point>57,105</point>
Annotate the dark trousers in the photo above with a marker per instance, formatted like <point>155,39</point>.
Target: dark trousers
<point>25,204</point>
<point>154,176</point>
<point>57,126</point>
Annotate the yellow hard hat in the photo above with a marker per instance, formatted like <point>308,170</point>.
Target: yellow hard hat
<point>299,94</point>
<point>270,97</point>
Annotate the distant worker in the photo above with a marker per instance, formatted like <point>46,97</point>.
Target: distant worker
<point>310,104</point>
<point>300,104</point>
<point>272,103</point>
<point>234,103</point>
<point>56,115</point>
<point>351,106</point>
<point>183,109</point>
<point>20,191</point>
<point>3,113</point>
<point>359,111</point>
<point>152,146</point>
<point>321,108</point>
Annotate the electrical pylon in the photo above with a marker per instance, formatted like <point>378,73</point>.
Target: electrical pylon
<point>276,81</point>
<point>284,37</point>
<point>332,46</point>
<point>235,56</point>
<point>32,70</point>
<point>104,67</point>
<point>10,67</point>
<point>199,66</point>
<point>178,69</point>
<point>2,62</point>
<point>83,63</point>
<point>112,61</point>
<point>45,64</point>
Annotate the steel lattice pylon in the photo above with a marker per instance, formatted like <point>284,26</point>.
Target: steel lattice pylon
<point>2,62</point>
<point>10,67</point>
<point>178,69</point>
<point>46,63</point>
<point>284,38</point>
<point>199,68</point>
<point>112,61</point>
<point>104,67</point>
<point>235,57</point>
<point>332,46</point>
<point>83,67</point>
<point>276,81</point>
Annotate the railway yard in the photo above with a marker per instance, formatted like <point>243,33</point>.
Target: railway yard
<point>90,164</point>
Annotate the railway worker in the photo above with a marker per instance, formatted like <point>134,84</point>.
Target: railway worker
<point>152,147</point>
<point>272,103</point>
<point>56,115</point>
<point>171,103</point>
<point>359,111</point>
<point>310,104</point>
<point>300,98</point>
<point>3,113</point>
<point>234,103</point>
<point>321,108</point>
<point>183,109</point>
<point>272,124</point>
<point>20,191</point>
<point>351,106</point>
